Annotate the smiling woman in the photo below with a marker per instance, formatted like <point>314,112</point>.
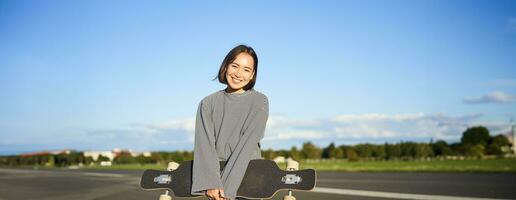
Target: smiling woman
<point>229,126</point>
<point>240,67</point>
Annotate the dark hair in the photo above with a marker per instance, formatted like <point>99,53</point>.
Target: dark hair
<point>230,57</point>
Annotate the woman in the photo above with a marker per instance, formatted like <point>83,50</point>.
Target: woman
<point>229,126</point>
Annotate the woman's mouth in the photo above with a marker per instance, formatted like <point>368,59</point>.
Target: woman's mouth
<point>236,80</point>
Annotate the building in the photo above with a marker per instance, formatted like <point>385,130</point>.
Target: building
<point>96,154</point>
<point>114,153</point>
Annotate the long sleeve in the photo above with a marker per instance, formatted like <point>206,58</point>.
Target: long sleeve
<point>206,167</point>
<point>236,166</point>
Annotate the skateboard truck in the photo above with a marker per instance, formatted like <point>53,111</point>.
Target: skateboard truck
<point>292,165</point>
<point>163,179</point>
<point>291,179</point>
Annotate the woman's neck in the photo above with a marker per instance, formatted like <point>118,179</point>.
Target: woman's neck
<point>231,90</point>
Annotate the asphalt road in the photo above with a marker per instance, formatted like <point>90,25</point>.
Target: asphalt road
<point>113,184</point>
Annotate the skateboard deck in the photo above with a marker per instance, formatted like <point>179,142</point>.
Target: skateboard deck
<point>262,179</point>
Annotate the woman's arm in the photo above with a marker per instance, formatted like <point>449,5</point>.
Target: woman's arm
<point>206,167</point>
<point>236,166</point>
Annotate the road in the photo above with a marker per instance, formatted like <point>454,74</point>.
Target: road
<point>121,184</point>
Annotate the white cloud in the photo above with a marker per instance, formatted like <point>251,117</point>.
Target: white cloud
<point>361,131</point>
<point>362,128</point>
<point>186,125</point>
<point>388,127</point>
<point>295,135</point>
<point>282,131</point>
<point>377,117</point>
<point>281,121</point>
<point>372,126</point>
<point>493,97</point>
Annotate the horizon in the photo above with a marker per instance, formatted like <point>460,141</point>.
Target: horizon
<point>52,151</point>
<point>99,75</point>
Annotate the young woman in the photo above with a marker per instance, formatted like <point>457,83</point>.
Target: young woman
<point>229,126</point>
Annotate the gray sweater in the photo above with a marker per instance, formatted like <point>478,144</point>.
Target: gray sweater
<point>228,127</point>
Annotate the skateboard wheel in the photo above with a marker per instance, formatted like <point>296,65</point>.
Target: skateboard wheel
<point>165,197</point>
<point>292,165</point>
<point>287,197</point>
<point>172,166</point>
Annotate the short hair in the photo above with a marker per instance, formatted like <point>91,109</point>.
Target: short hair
<point>230,57</point>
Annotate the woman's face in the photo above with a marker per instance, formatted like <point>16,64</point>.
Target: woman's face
<point>240,72</point>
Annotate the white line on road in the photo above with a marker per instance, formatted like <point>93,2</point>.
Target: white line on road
<point>393,195</point>
<point>104,174</point>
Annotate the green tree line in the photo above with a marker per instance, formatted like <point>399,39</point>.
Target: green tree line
<point>475,142</point>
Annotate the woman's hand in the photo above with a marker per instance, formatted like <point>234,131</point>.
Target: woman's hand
<point>215,194</point>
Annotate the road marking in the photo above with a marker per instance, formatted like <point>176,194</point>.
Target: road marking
<point>393,195</point>
<point>104,174</point>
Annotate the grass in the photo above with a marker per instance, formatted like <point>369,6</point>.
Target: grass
<point>490,165</point>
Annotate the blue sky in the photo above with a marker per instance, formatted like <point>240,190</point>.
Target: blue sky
<point>95,75</point>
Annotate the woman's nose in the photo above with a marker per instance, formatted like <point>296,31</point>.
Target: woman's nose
<point>238,73</point>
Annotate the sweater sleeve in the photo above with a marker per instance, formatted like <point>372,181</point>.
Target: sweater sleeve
<point>206,167</point>
<point>236,166</point>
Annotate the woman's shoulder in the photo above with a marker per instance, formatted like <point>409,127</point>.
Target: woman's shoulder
<point>260,96</point>
<point>210,98</point>
<point>262,102</point>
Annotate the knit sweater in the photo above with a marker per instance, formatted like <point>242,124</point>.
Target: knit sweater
<point>228,127</point>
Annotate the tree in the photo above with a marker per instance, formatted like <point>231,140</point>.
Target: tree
<point>144,159</point>
<point>124,158</point>
<point>344,149</point>
<point>332,152</point>
<point>408,149</point>
<point>269,154</point>
<point>295,154</point>
<point>423,150</point>
<point>351,154</point>
<point>51,161</point>
<point>327,150</point>
<point>88,160</point>
<point>102,158</point>
<point>284,153</point>
<point>310,151</point>
<point>392,150</point>
<point>475,150</point>
<point>496,144</point>
<point>457,148</point>
<point>364,150</point>
<point>493,149</point>
<point>441,148</point>
<point>67,159</point>
<point>337,153</point>
<point>187,155</point>
<point>475,135</point>
<point>500,140</point>
<point>379,151</point>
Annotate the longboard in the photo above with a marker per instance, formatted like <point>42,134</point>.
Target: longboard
<point>262,179</point>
